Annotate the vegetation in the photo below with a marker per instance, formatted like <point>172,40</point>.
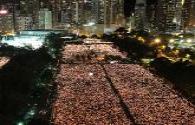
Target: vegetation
<point>136,50</point>
<point>180,72</point>
<point>26,88</point>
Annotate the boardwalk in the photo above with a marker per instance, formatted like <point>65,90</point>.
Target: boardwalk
<point>93,93</point>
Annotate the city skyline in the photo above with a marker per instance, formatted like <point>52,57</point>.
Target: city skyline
<point>102,15</point>
<point>97,62</point>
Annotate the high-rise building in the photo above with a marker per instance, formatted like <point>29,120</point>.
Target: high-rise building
<point>23,23</point>
<point>30,8</point>
<point>192,16</point>
<point>98,11</point>
<point>186,13</point>
<point>113,12</point>
<point>88,11</point>
<point>77,12</point>
<point>120,17</point>
<point>173,15</point>
<point>110,13</point>
<point>140,15</point>
<point>6,22</point>
<point>55,7</point>
<point>66,12</point>
<point>78,9</point>
<point>45,19</point>
<point>151,15</point>
<point>130,22</point>
<point>72,11</point>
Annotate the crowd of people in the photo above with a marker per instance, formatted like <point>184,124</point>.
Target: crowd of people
<point>3,61</point>
<point>86,96</point>
<point>71,51</point>
<point>107,49</point>
<point>150,98</point>
<point>89,53</point>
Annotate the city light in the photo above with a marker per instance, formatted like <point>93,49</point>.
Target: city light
<point>32,41</point>
<point>141,39</point>
<point>181,36</point>
<point>157,40</point>
<point>183,1</point>
<point>2,12</point>
<point>89,24</point>
<point>171,40</point>
<point>20,123</point>
<point>32,112</point>
<point>162,47</point>
<point>97,62</point>
<point>188,56</point>
<point>189,40</point>
<point>90,74</point>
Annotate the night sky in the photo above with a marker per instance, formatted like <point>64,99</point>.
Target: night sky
<point>129,6</point>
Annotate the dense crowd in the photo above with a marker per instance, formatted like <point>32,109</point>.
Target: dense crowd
<point>86,96</point>
<point>107,49</point>
<point>149,98</point>
<point>72,50</point>
<point>3,61</point>
<point>89,53</point>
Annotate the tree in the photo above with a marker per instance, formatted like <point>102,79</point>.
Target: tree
<point>83,37</point>
<point>94,36</point>
<point>121,30</point>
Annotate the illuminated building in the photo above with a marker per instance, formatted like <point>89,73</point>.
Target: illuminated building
<point>120,12</point>
<point>88,15</point>
<point>131,22</point>
<point>56,11</point>
<point>78,7</point>
<point>66,12</point>
<point>45,19</point>
<point>151,16</point>
<point>6,22</point>
<point>30,8</point>
<point>79,12</point>
<point>186,13</point>
<point>72,11</point>
<point>192,16</point>
<point>23,23</point>
<point>173,15</point>
<point>98,11</point>
<point>140,15</point>
<point>113,12</point>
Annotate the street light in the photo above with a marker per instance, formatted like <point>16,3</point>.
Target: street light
<point>171,40</point>
<point>157,40</point>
